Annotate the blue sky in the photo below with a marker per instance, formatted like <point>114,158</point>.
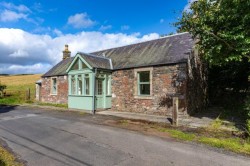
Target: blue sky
<point>86,25</point>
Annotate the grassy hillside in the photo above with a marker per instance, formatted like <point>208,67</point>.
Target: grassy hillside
<point>16,87</point>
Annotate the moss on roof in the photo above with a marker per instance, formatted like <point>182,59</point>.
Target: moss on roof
<point>60,68</point>
<point>167,50</point>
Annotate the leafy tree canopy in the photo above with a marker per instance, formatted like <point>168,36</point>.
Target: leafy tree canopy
<point>222,27</point>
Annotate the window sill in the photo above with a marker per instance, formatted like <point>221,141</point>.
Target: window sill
<point>81,95</point>
<point>148,97</point>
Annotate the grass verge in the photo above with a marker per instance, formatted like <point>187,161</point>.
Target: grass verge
<point>7,159</point>
<point>212,136</point>
<point>53,105</point>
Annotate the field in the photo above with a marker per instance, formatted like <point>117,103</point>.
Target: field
<point>17,85</point>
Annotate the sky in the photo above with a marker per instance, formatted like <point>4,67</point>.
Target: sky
<point>33,33</point>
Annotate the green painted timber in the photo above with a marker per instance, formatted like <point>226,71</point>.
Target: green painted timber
<point>81,100</point>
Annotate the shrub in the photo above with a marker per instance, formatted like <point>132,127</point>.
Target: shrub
<point>2,88</point>
<point>247,108</point>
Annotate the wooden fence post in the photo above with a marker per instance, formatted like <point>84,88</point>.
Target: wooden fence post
<point>175,111</point>
<point>28,94</point>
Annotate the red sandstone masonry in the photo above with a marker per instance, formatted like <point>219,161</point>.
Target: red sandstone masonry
<point>62,90</point>
<point>165,80</point>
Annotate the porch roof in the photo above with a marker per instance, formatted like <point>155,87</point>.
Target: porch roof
<point>97,61</point>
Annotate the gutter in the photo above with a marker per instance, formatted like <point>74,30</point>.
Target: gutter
<point>94,90</point>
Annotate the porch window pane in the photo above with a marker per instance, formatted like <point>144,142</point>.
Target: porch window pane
<point>73,85</point>
<point>86,84</point>
<point>99,87</point>
<point>79,80</point>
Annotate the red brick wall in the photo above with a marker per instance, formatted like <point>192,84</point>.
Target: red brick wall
<point>62,90</point>
<point>165,80</point>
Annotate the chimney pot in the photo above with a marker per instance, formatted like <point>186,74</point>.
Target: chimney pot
<point>66,52</point>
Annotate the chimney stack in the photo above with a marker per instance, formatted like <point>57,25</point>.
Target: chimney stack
<point>66,52</point>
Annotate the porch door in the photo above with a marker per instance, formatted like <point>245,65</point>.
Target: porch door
<point>99,93</point>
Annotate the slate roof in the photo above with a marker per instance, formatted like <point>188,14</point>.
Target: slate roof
<point>97,61</point>
<point>60,68</point>
<point>167,50</point>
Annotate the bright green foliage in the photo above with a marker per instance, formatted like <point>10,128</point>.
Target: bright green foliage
<point>222,27</point>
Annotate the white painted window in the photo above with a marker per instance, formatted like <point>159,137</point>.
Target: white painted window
<point>79,83</point>
<point>86,78</point>
<point>73,85</point>
<point>108,85</point>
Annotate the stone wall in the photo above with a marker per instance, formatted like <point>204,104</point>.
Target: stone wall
<point>166,81</point>
<point>62,90</point>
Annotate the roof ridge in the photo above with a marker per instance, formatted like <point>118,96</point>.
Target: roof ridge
<point>177,34</point>
<point>88,54</point>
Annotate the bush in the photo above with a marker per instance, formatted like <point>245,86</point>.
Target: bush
<point>2,88</point>
<point>247,109</point>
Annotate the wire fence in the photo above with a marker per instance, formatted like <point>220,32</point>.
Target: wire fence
<point>21,95</point>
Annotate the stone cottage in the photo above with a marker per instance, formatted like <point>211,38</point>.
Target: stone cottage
<point>140,77</point>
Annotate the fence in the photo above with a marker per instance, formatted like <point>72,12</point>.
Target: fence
<point>20,95</point>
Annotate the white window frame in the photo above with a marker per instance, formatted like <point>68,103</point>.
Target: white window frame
<point>79,88</point>
<point>73,85</point>
<point>86,76</point>
<point>108,86</point>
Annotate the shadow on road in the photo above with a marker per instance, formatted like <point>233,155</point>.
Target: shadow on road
<point>7,108</point>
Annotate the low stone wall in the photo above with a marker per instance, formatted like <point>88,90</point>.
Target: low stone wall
<point>62,90</point>
<point>166,81</point>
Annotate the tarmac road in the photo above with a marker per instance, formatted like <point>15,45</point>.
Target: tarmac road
<point>53,138</point>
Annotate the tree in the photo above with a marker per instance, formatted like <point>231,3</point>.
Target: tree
<point>222,28</point>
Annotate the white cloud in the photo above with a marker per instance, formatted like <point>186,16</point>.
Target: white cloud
<point>19,53</point>
<point>28,69</point>
<point>105,27</point>
<point>19,8</point>
<point>23,52</point>
<point>80,20</point>
<point>125,27</point>
<point>58,32</point>
<point>8,15</point>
